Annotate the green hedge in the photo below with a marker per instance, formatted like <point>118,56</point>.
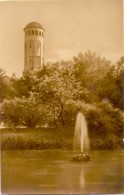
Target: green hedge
<point>15,141</point>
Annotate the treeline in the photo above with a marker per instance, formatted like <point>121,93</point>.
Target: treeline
<point>53,96</point>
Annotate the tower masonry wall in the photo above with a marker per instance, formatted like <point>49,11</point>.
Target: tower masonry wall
<point>34,48</point>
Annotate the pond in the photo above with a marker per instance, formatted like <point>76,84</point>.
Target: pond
<point>53,172</point>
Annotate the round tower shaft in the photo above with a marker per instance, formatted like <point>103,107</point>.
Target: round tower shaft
<point>34,47</point>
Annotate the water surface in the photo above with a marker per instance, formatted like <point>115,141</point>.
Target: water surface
<point>53,172</point>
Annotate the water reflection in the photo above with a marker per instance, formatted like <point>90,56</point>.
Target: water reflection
<point>82,178</point>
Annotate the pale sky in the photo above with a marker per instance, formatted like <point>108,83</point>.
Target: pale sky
<point>71,26</point>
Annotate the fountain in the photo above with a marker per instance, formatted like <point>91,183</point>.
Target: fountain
<point>81,140</point>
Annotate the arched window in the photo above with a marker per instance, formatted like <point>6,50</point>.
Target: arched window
<point>32,32</point>
<point>38,44</point>
<point>38,64</point>
<point>30,64</point>
<point>31,44</point>
<point>36,32</point>
<point>39,32</point>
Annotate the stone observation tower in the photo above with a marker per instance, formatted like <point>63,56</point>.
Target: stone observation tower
<point>34,46</point>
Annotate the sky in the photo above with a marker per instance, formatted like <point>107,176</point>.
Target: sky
<point>71,26</point>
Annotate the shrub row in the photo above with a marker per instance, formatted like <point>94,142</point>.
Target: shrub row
<point>31,143</point>
<point>109,143</point>
<point>21,142</point>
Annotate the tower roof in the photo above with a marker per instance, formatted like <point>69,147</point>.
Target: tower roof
<point>33,25</point>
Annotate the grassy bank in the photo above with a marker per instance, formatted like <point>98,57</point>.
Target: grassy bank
<point>38,139</point>
<point>45,139</point>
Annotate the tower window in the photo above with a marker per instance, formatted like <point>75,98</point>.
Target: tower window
<point>30,44</point>
<point>28,32</point>
<point>38,44</point>
<point>32,32</point>
<point>39,32</point>
<point>30,64</point>
<point>38,64</point>
<point>36,32</point>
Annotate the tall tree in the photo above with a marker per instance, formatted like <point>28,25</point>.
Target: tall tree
<point>89,69</point>
<point>111,86</point>
<point>58,87</point>
<point>23,86</point>
<point>6,88</point>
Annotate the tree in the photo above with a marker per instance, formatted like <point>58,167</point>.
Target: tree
<point>24,85</point>
<point>11,112</point>
<point>119,77</point>
<point>111,86</point>
<point>89,69</point>
<point>32,112</point>
<point>22,112</point>
<point>6,89</point>
<point>104,120</point>
<point>57,88</point>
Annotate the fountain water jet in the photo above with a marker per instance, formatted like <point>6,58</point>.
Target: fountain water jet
<point>81,139</point>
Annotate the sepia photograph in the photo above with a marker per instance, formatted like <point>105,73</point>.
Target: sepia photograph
<point>61,97</point>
